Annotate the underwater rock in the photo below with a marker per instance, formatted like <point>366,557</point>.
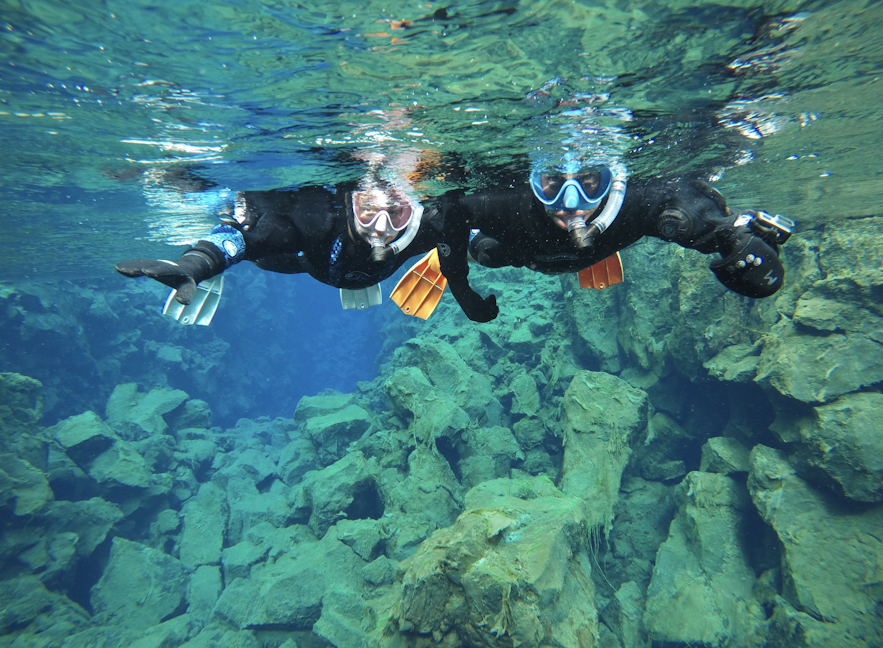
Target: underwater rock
<point>603,414</point>
<point>327,402</point>
<point>248,507</point>
<point>818,368</point>
<point>843,439</point>
<point>331,434</point>
<point>139,587</point>
<point>595,317</point>
<point>173,632</point>
<point>832,565</point>
<point>365,537</point>
<point>724,456</point>
<point>347,489</point>
<point>216,636</point>
<point>297,459</point>
<point>195,414</point>
<point>514,569</point>
<point>488,453</point>
<point>100,453</point>
<point>26,602</point>
<point>643,514</point>
<point>90,520</point>
<point>238,559</point>
<point>346,619</point>
<point>205,523</point>
<point>21,406</point>
<point>136,416</point>
<point>736,363</point>
<point>289,591</point>
<point>623,615</point>
<point>427,498</point>
<point>449,375</point>
<point>20,481</point>
<point>380,571</point>
<point>702,590</point>
<point>203,592</point>
<point>525,397</point>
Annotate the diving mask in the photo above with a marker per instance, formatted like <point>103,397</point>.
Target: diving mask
<point>380,216</point>
<point>578,191</point>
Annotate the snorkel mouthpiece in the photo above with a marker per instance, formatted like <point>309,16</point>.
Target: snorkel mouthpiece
<point>576,226</point>
<point>380,251</point>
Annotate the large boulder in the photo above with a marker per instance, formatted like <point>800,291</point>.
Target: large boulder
<point>140,586</point>
<point>702,590</point>
<point>347,489</point>
<point>513,570</point>
<point>205,525</point>
<point>603,414</point>
<point>832,563</point>
<point>289,591</point>
<point>332,433</point>
<point>136,416</point>
<point>843,440</point>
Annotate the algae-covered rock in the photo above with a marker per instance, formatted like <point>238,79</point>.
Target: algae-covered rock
<point>203,592</point>
<point>23,600</point>
<point>844,439</point>
<point>365,537</point>
<point>513,570</point>
<point>525,397</point>
<point>603,415</point>
<point>702,590</point>
<point>139,587</point>
<point>238,559</point>
<point>346,619</point>
<point>21,406</point>
<point>427,498</point>
<point>136,416</point>
<point>322,404</point>
<point>297,459</point>
<point>736,363</point>
<point>491,453</point>
<point>725,456</point>
<point>205,524</point>
<point>818,368</point>
<point>347,489</point>
<point>20,481</point>
<point>832,564</point>
<point>449,375</point>
<point>332,433</point>
<point>289,591</point>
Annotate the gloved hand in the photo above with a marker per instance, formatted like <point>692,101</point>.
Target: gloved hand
<point>481,309</point>
<point>183,275</point>
<point>749,265</point>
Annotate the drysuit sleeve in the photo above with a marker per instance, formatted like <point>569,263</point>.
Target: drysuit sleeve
<point>694,215</point>
<point>452,253</point>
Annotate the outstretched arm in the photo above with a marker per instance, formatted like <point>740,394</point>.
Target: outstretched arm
<point>452,254</point>
<point>695,215</point>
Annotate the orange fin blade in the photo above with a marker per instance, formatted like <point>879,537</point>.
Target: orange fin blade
<point>419,291</point>
<point>603,274</point>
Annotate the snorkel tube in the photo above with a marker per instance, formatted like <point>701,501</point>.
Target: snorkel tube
<point>411,229</point>
<point>608,214</point>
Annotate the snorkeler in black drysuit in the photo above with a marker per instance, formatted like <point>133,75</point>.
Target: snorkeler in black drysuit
<point>350,237</point>
<point>566,222</point>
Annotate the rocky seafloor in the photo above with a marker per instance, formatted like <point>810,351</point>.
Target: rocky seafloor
<point>659,464</point>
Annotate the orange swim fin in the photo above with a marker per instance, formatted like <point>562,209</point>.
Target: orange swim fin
<point>603,274</point>
<point>419,291</point>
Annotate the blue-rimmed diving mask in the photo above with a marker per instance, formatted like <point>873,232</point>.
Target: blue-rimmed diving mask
<point>582,190</point>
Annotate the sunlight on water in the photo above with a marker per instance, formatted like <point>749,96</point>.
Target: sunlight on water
<point>275,94</point>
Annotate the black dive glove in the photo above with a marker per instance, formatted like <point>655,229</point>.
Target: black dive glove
<point>196,264</point>
<point>480,309</point>
<point>749,265</point>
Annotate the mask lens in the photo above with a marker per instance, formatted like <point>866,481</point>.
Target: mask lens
<point>367,207</point>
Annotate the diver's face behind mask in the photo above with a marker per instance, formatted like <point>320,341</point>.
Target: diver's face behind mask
<point>571,198</point>
<point>380,216</point>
